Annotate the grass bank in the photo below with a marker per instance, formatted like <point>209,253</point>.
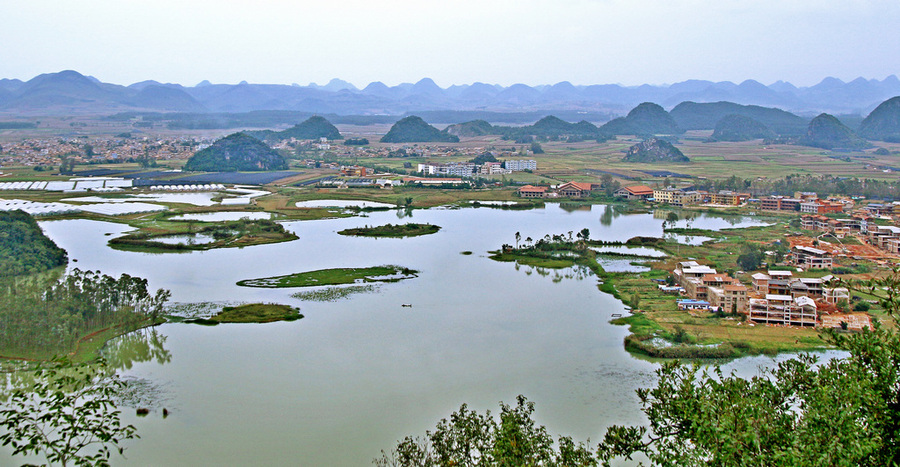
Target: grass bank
<point>392,231</point>
<point>86,349</point>
<point>334,276</point>
<point>231,234</point>
<point>658,328</point>
<point>251,313</point>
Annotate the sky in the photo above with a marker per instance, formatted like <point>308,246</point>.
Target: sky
<point>629,42</point>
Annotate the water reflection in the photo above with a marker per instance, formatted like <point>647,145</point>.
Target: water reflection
<point>121,353</point>
<point>143,345</point>
<point>368,369</point>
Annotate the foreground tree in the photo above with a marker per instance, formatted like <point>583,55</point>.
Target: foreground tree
<point>471,439</point>
<point>68,415</point>
<point>801,413</point>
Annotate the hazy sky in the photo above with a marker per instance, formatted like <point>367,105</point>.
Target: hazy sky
<point>453,42</point>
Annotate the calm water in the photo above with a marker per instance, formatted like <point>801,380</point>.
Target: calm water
<point>357,374</point>
<point>222,216</point>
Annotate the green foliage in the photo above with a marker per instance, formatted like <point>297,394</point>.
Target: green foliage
<point>536,148</point>
<point>552,128</point>
<point>239,233</point>
<point>413,129</point>
<point>705,116</point>
<point>314,127</point>
<point>740,128</point>
<point>236,152</point>
<point>50,318</point>
<point>884,122</point>
<point>334,276</point>
<point>396,231</point>
<point>869,188</point>
<point>751,257</point>
<point>645,119</point>
<point>801,413</point>
<point>471,128</point>
<point>827,132</point>
<point>24,249</point>
<point>482,158</point>
<point>69,416</point>
<point>468,438</point>
<point>654,150</point>
<point>255,313</point>
<point>356,142</point>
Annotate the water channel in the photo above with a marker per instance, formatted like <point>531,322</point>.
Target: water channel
<point>359,373</point>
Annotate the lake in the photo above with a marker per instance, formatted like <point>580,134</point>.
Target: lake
<point>359,373</point>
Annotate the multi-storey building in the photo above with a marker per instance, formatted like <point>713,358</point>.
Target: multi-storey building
<point>809,258</point>
<point>521,164</point>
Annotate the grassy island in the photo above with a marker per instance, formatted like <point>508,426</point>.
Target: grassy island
<point>251,313</point>
<point>393,231</point>
<point>335,276</point>
<point>185,236</point>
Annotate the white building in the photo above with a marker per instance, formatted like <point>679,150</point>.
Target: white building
<point>520,165</point>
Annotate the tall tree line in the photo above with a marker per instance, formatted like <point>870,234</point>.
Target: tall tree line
<point>823,184</point>
<point>43,317</point>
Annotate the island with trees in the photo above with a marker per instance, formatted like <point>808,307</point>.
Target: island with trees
<point>409,229</point>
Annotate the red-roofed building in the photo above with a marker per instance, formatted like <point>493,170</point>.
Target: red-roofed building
<point>529,191</point>
<point>635,192</point>
<point>574,190</point>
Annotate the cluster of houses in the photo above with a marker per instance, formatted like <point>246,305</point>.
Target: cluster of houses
<point>804,202</point>
<point>470,169</point>
<point>885,237</point>
<point>776,297</point>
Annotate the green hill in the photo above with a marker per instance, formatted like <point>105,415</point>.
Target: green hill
<point>654,150</point>
<point>705,116</point>
<point>552,127</point>
<point>740,128</point>
<point>312,128</point>
<point>884,122</point>
<point>236,152</point>
<point>645,119</point>
<point>470,129</point>
<point>413,129</point>
<point>827,132</point>
<point>24,249</point>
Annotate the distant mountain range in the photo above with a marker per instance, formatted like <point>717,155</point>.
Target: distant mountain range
<point>71,92</point>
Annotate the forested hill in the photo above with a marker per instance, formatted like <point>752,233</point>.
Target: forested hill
<point>827,132</point>
<point>236,152</point>
<point>706,115</point>
<point>24,249</point>
<point>314,127</point>
<point>413,129</point>
<point>645,119</point>
<point>740,128</point>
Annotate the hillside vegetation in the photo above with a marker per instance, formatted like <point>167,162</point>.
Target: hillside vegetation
<point>705,116</point>
<point>827,132</point>
<point>740,128</point>
<point>24,249</point>
<point>553,128</point>
<point>413,129</point>
<point>471,129</point>
<point>884,122</point>
<point>645,119</point>
<point>314,127</point>
<point>236,152</point>
<point>654,150</point>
